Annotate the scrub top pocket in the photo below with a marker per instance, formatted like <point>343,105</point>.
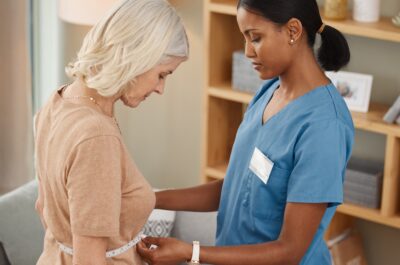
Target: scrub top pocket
<point>268,201</point>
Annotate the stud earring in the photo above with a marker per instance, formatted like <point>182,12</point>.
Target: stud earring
<point>291,41</point>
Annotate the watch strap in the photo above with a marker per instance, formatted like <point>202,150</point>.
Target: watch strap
<point>196,253</point>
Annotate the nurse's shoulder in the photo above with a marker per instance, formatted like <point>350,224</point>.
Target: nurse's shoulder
<point>325,105</point>
<point>342,111</point>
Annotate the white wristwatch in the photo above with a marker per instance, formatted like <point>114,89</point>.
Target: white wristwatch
<point>195,254</point>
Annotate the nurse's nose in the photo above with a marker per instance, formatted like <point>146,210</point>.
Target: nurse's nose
<point>249,50</point>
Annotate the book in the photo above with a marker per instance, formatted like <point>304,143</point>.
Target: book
<point>393,113</point>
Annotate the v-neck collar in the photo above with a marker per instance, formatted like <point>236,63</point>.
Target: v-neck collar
<point>294,102</point>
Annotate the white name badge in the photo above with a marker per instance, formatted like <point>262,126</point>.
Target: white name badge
<point>261,165</point>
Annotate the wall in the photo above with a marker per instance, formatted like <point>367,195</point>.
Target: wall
<point>15,96</point>
<point>164,133</point>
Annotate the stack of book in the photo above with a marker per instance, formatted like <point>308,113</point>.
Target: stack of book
<point>363,183</point>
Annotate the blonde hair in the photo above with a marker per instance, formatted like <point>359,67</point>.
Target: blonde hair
<point>134,37</point>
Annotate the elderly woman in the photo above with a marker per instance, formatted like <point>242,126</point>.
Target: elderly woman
<point>93,201</point>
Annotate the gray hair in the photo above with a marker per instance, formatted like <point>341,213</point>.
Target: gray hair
<point>134,37</point>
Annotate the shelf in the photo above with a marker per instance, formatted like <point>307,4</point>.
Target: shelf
<point>217,172</point>
<point>227,7</point>
<point>225,92</point>
<point>381,30</point>
<point>371,121</point>
<point>373,215</point>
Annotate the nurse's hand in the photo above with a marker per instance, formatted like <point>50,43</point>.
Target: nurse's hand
<point>168,251</point>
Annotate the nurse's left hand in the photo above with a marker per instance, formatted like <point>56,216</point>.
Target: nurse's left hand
<point>168,251</point>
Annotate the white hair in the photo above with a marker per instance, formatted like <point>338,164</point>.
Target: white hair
<point>134,37</point>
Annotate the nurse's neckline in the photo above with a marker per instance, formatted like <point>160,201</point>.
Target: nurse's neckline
<point>293,101</point>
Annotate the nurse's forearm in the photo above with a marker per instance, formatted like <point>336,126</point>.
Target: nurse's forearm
<point>203,198</point>
<point>273,253</point>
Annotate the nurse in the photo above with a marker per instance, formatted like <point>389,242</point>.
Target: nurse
<point>285,174</point>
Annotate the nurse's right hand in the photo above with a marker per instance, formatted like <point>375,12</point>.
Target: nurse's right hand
<point>168,251</point>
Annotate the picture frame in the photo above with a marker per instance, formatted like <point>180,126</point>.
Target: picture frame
<point>355,88</point>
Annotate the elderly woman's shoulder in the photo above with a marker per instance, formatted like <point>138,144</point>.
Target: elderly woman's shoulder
<point>90,123</point>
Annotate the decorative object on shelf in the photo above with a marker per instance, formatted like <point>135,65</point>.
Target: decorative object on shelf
<point>396,20</point>
<point>347,248</point>
<point>335,9</point>
<point>363,183</point>
<point>354,87</point>
<point>393,114</point>
<point>366,10</point>
<point>244,77</point>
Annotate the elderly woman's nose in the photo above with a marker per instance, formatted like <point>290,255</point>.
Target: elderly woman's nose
<point>159,89</point>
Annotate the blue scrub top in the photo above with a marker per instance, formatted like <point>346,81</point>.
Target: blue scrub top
<point>309,141</point>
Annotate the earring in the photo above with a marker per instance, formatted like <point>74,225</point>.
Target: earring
<point>291,41</point>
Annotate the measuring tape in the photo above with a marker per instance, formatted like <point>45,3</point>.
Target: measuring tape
<point>111,253</point>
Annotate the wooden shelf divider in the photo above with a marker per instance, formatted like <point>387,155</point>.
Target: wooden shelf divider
<point>390,187</point>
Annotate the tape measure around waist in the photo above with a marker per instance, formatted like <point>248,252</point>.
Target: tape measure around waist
<point>110,253</point>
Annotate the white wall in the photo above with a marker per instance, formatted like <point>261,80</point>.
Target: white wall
<point>164,133</point>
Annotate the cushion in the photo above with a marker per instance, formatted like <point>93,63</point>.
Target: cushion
<point>3,256</point>
<point>160,223</point>
<point>20,228</point>
<point>190,226</point>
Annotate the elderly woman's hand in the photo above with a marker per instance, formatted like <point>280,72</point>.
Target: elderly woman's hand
<point>169,251</point>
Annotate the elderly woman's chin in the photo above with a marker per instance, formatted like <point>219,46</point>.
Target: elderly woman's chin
<point>130,102</point>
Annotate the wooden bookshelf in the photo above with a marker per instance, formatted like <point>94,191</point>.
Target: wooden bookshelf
<point>381,30</point>
<point>223,108</point>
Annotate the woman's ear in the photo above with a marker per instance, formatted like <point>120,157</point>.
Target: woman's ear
<point>295,30</point>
